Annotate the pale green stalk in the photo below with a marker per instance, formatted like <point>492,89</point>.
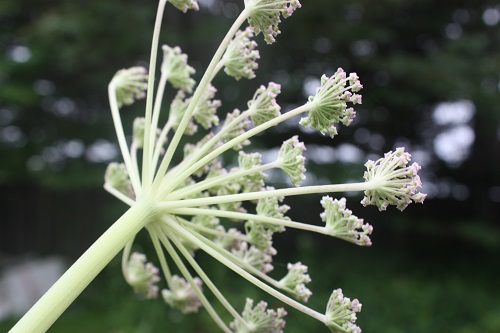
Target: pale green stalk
<point>207,280</point>
<point>238,261</point>
<point>184,233</point>
<point>189,160</point>
<point>122,142</point>
<point>126,256</point>
<point>119,195</point>
<point>352,187</point>
<point>161,256</point>
<point>185,192</point>
<point>205,80</point>
<point>55,301</point>
<point>158,144</point>
<point>185,272</point>
<point>246,217</point>
<point>133,157</point>
<point>147,173</point>
<point>210,231</point>
<point>230,144</point>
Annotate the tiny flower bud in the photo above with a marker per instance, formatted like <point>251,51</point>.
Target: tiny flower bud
<point>130,84</point>
<point>340,316</point>
<point>296,280</point>
<point>176,69</point>
<point>394,182</point>
<point>182,295</point>
<point>342,224</point>
<point>263,106</point>
<point>329,105</point>
<point>259,319</point>
<point>291,161</point>
<point>240,59</point>
<point>142,276</point>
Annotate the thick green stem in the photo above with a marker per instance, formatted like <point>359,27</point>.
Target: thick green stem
<point>57,299</point>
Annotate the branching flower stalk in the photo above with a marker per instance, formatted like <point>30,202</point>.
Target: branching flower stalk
<point>197,204</point>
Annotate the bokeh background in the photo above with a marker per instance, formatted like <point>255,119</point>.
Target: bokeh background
<point>431,72</point>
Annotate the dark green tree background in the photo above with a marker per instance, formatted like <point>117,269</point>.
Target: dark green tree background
<point>431,75</point>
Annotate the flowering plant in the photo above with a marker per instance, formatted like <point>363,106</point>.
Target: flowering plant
<point>181,205</point>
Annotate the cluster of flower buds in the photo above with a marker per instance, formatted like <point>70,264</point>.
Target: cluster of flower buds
<point>395,183</point>
<point>130,85</point>
<point>329,105</point>
<point>260,319</point>
<point>340,316</point>
<point>142,276</point>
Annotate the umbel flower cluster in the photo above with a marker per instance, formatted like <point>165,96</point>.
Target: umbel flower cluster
<point>198,204</point>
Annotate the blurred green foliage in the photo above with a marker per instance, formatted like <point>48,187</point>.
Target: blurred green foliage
<point>431,268</point>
